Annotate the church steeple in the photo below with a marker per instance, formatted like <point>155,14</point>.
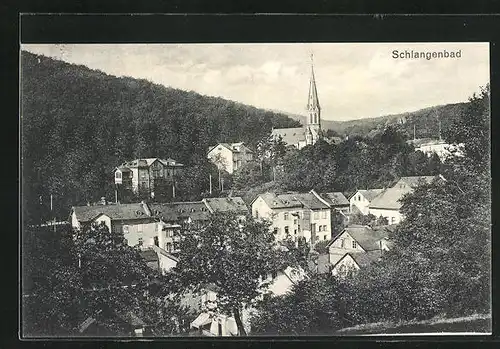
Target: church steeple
<point>313,107</point>
<point>313,101</point>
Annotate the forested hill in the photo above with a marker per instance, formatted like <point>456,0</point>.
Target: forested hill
<point>78,123</point>
<point>424,120</point>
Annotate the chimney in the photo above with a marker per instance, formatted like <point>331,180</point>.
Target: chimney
<point>146,208</point>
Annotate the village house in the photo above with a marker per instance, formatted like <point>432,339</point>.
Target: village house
<point>295,215</point>
<point>300,137</point>
<point>135,221</point>
<point>141,174</point>
<point>361,200</point>
<point>188,213</point>
<point>388,203</point>
<point>212,323</point>
<point>234,204</point>
<point>230,157</point>
<point>337,201</point>
<point>355,247</point>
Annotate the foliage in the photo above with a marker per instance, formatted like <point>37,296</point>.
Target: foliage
<point>439,263</point>
<point>320,246</point>
<point>316,306</point>
<point>69,277</point>
<point>232,255</point>
<point>78,124</point>
<point>361,219</point>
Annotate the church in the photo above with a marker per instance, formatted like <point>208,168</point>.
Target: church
<point>299,137</point>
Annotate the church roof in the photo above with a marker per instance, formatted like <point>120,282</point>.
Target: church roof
<point>292,135</point>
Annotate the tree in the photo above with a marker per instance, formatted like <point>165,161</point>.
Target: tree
<point>318,305</point>
<point>321,246</point>
<point>232,255</point>
<point>248,176</point>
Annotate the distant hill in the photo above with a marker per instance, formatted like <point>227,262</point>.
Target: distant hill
<point>78,124</point>
<point>424,120</point>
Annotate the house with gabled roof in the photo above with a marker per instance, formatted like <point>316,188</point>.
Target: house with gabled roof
<point>295,215</point>
<point>361,200</point>
<point>362,243</point>
<point>388,203</point>
<point>229,157</point>
<point>134,220</point>
<point>142,173</point>
<point>337,201</point>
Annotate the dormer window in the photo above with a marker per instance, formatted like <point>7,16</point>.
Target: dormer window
<point>118,175</point>
<point>193,210</point>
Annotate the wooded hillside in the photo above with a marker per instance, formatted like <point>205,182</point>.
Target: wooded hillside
<point>78,124</point>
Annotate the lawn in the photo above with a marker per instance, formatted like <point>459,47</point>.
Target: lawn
<point>478,323</point>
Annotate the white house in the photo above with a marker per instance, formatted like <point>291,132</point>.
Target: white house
<point>295,215</point>
<point>436,146</point>
<point>135,221</point>
<point>362,199</point>
<point>388,203</point>
<point>230,157</point>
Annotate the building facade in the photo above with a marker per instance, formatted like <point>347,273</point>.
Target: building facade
<point>230,157</point>
<point>143,174</point>
<point>361,200</point>
<point>295,215</point>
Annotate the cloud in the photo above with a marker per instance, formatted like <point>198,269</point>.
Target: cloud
<point>354,79</point>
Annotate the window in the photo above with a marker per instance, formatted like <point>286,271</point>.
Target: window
<point>324,237</point>
<point>286,230</point>
<point>323,214</point>
<point>118,175</point>
<point>256,214</point>
<point>285,216</point>
<point>125,228</point>
<point>325,228</point>
<point>168,247</point>
<point>276,230</point>
<point>139,241</point>
<point>320,228</point>
<point>393,220</point>
<point>298,228</point>
<point>274,275</point>
<point>294,222</point>
<point>316,215</point>
<point>156,240</point>
<point>342,243</point>
<point>295,232</point>
<point>354,244</point>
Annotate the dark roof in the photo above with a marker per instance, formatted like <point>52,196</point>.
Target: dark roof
<point>149,161</point>
<point>175,211</point>
<point>149,255</point>
<point>415,180</point>
<point>366,237</point>
<point>292,135</point>
<point>306,200</point>
<point>313,100</point>
<point>115,212</point>
<point>234,204</point>
<point>335,198</point>
<point>370,194</point>
<point>364,259</point>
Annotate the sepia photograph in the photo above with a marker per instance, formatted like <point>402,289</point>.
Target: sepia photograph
<point>255,189</point>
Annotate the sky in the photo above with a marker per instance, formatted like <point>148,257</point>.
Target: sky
<point>354,80</point>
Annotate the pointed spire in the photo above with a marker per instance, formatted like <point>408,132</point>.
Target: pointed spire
<point>313,101</point>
